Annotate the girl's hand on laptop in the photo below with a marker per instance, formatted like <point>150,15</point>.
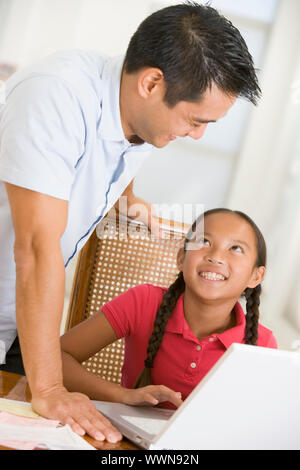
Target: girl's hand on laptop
<point>151,395</point>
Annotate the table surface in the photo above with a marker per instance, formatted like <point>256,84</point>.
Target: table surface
<point>15,387</point>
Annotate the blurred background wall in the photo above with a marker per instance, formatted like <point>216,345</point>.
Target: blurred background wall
<point>249,160</point>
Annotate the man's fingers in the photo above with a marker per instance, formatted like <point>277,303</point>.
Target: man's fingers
<point>100,423</point>
<point>97,429</point>
<point>90,429</point>
<point>145,212</point>
<point>155,227</point>
<point>75,426</point>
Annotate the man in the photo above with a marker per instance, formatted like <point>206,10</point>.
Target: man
<point>74,131</point>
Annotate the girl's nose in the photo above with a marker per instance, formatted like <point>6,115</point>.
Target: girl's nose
<point>214,259</point>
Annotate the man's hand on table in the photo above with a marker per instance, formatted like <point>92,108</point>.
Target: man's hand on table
<point>78,411</point>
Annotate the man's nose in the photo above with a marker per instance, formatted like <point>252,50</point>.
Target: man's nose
<point>198,132</point>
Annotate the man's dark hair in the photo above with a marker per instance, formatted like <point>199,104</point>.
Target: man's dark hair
<point>195,47</point>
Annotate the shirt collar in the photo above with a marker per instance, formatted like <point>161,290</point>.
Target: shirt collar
<point>237,333</point>
<point>178,324</point>
<point>110,127</point>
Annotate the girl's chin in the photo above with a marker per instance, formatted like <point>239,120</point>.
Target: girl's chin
<point>211,296</point>
<point>206,295</point>
<point>211,291</point>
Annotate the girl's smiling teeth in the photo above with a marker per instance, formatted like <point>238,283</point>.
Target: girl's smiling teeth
<point>212,276</point>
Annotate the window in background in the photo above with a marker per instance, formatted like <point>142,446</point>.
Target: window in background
<point>208,164</point>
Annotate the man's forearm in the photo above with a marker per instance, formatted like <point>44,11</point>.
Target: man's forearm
<point>40,279</point>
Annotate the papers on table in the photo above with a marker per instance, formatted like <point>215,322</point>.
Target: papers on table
<point>20,408</point>
<point>20,421</point>
<point>19,432</point>
<point>61,438</point>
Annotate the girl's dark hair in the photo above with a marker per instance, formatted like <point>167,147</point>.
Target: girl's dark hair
<point>178,287</point>
<point>195,47</point>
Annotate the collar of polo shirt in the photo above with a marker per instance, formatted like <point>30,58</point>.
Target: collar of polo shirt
<point>110,127</point>
<point>178,324</point>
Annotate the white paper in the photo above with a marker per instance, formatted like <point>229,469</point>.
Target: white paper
<point>51,438</point>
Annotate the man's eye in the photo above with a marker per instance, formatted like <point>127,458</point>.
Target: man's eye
<point>195,124</point>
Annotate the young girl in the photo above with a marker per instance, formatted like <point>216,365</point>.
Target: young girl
<point>173,336</point>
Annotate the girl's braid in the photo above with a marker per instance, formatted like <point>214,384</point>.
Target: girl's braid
<point>163,314</point>
<point>252,316</point>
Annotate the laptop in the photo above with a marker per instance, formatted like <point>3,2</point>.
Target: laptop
<point>249,400</point>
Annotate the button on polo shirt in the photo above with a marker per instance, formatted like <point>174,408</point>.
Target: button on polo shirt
<point>182,360</point>
<point>61,135</point>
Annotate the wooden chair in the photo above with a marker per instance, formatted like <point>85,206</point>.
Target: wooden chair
<point>119,255</point>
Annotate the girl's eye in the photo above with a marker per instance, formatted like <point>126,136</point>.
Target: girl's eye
<point>237,248</point>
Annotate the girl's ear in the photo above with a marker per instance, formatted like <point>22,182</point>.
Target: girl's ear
<point>257,277</point>
<point>180,258</point>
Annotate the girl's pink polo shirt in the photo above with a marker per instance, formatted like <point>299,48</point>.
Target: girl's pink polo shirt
<point>182,360</point>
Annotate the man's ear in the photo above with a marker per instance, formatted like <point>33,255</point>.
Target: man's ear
<point>148,80</point>
<point>180,258</point>
<point>257,276</point>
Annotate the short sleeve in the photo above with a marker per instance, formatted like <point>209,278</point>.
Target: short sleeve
<point>42,135</point>
<point>272,342</point>
<point>130,311</point>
